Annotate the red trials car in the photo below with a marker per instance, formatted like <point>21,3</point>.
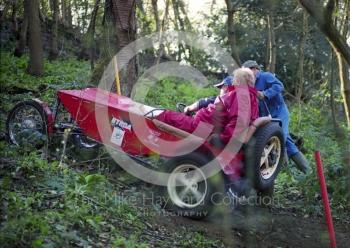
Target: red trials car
<point>101,117</point>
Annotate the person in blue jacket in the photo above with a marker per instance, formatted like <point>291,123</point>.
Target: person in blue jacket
<point>270,93</point>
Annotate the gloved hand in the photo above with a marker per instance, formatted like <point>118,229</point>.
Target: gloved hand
<point>186,110</point>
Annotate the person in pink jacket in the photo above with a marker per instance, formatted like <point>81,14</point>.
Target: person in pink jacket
<point>223,114</point>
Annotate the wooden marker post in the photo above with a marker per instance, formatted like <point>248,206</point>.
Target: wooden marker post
<point>117,79</point>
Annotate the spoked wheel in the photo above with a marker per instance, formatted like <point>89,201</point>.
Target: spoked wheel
<point>270,158</point>
<point>187,186</point>
<point>26,125</point>
<point>189,193</point>
<point>264,156</point>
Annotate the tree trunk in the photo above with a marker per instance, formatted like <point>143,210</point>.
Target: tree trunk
<point>109,39</point>
<point>22,41</point>
<point>63,12</point>
<point>183,10</point>
<point>300,86</point>
<point>271,65</point>
<point>35,65</point>
<point>156,15</point>
<point>338,130</point>
<point>344,85</point>
<point>161,50</point>
<point>179,25</point>
<point>51,5</point>
<point>76,11</point>
<point>267,49</point>
<point>232,32</point>
<point>69,17</point>
<point>14,17</point>
<point>331,89</point>
<point>4,11</point>
<point>213,3</point>
<point>84,16</point>
<point>344,66</point>
<point>91,33</point>
<point>346,21</point>
<point>324,21</point>
<point>125,23</point>
<point>323,17</point>
<point>54,36</point>
<point>42,16</point>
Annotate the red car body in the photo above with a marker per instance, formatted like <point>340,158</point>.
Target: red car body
<point>84,105</point>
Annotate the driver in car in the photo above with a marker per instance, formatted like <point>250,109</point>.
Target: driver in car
<point>224,86</point>
<point>224,112</point>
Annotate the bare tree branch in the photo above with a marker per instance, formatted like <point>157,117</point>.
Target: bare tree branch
<point>334,37</point>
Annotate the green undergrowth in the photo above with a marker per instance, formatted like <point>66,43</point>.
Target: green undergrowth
<point>171,90</point>
<point>198,240</point>
<point>16,84</point>
<point>303,192</point>
<point>45,205</point>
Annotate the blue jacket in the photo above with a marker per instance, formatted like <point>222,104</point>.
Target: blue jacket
<point>204,102</point>
<point>272,88</point>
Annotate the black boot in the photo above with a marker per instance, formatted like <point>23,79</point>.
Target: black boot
<point>301,162</point>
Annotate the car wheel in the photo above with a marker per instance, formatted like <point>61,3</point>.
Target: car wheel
<point>189,193</point>
<point>26,125</point>
<point>264,156</point>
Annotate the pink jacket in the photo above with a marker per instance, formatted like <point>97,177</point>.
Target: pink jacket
<point>230,114</point>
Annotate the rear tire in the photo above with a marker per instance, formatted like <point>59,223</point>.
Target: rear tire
<point>264,155</point>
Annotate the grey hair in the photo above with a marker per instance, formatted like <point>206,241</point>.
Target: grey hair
<point>243,76</point>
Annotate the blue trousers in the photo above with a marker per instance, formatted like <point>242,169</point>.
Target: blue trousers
<point>281,112</point>
<point>283,115</point>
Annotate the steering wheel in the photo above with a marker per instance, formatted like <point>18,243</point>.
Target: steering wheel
<point>180,107</point>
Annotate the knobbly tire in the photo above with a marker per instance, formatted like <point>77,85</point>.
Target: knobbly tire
<point>26,125</point>
<point>264,156</point>
<point>190,198</point>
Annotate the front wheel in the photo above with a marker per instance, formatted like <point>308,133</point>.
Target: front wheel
<point>264,156</point>
<point>188,191</point>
